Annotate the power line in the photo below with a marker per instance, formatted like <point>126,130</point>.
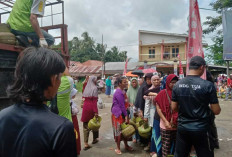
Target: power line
<point>207,9</point>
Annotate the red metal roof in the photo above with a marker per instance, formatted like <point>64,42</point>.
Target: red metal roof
<point>74,63</point>
<point>92,63</point>
<point>78,69</point>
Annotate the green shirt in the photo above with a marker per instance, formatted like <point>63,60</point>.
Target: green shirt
<point>63,98</point>
<point>19,18</point>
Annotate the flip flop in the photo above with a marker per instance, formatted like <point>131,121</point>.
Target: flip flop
<point>118,152</point>
<point>129,148</point>
<point>95,141</point>
<point>86,148</point>
<point>154,155</point>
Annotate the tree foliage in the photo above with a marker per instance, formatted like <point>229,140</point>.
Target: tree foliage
<point>216,50</point>
<point>85,48</point>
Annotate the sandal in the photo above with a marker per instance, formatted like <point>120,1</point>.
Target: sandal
<point>128,148</point>
<point>86,148</point>
<point>154,155</point>
<point>117,151</point>
<point>95,141</point>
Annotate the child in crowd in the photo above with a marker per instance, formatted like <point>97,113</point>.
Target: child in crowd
<point>222,90</point>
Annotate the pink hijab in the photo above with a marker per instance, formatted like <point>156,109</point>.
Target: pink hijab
<point>91,88</point>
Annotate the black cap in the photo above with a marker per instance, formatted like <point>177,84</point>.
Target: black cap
<point>196,62</point>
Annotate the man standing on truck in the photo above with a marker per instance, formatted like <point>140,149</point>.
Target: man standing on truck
<point>23,21</point>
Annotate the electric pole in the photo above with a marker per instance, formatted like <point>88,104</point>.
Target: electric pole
<point>103,59</point>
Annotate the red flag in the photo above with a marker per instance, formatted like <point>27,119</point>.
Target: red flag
<point>181,72</point>
<point>195,34</point>
<point>125,69</point>
<point>180,65</point>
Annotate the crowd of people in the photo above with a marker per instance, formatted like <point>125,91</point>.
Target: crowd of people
<point>180,112</point>
<point>224,86</point>
<point>44,118</point>
<point>43,121</point>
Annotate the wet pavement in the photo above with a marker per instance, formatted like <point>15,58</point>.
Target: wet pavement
<point>106,145</point>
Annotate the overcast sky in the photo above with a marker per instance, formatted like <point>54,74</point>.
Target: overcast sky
<point>120,20</point>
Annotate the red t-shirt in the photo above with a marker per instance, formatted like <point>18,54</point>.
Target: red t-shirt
<point>229,82</point>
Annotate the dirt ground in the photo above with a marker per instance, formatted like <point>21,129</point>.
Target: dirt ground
<point>106,144</point>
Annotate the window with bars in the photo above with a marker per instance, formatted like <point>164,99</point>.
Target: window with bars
<point>175,51</point>
<point>151,52</point>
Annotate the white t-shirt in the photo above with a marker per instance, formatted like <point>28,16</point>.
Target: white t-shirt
<point>38,7</point>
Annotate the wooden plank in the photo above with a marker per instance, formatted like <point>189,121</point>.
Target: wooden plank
<point>11,47</point>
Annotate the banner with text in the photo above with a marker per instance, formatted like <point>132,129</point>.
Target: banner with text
<point>227,34</point>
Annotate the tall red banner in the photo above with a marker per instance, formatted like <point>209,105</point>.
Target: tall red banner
<point>125,69</point>
<point>181,72</point>
<point>180,65</point>
<point>195,34</point>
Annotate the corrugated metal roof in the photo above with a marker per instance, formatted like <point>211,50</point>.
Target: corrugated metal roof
<point>92,63</point>
<point>117,66</point>
<point>84,70</point>
<point>74,63</point>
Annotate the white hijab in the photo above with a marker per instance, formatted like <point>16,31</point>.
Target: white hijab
<point>91,88</point>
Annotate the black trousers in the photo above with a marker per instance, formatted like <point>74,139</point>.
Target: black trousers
<point>199,139</point>
<point>213,135</point>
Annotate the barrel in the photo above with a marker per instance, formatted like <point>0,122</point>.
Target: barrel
<point>7,68</point>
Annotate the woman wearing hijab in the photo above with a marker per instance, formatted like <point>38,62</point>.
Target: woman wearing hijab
<point>65,93</point>
<point>75,111</point>
<point>119,114</point>
<point>131,94</point>
<point>168,118</point>
<point>85,83</point>
<point>108,86</point>
<point>150,94</point>
<point>90,109</point>
<point>149,110</point>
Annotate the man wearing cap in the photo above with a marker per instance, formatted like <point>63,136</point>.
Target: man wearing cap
<point>191,97</point>
<point>23,21</point>
<point>229,87</point>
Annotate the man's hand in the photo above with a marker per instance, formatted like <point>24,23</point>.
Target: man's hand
<point>141,113</point>
<point>215,108</point>
<point>96,115</point>
<point>127,120</point>
<point>43,42</point>
<point>145,119</point>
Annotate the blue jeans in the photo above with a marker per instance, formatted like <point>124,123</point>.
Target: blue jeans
<point>34,37</point>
